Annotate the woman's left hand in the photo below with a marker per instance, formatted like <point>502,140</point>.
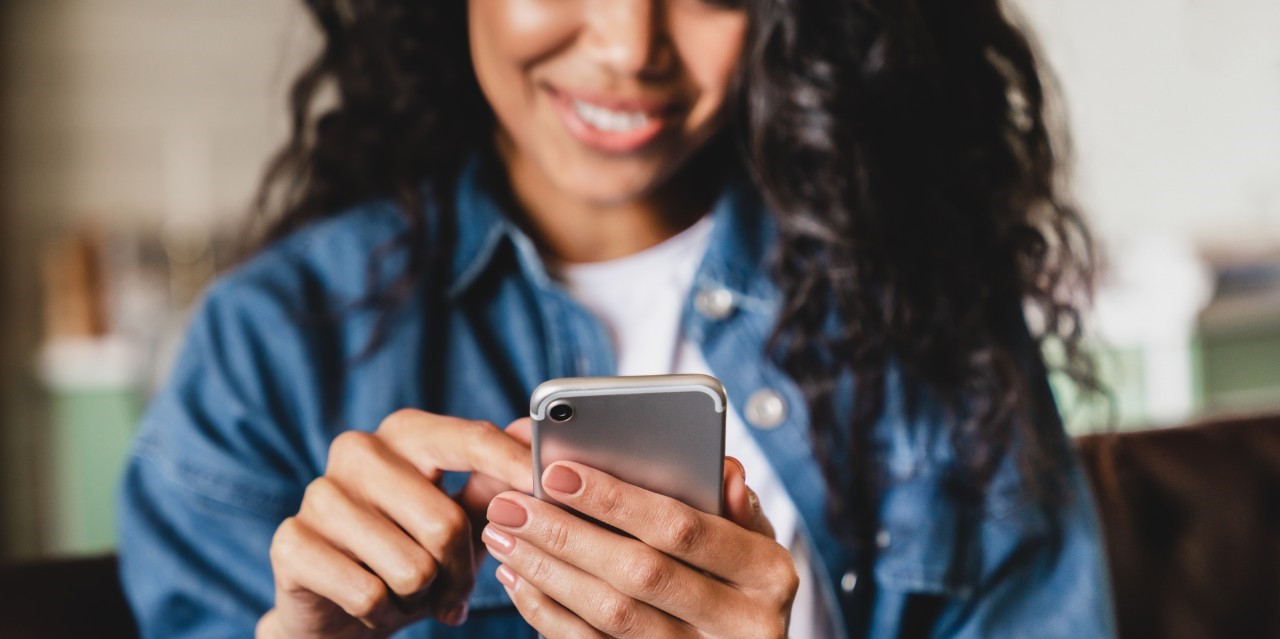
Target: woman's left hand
<point>685,574</point>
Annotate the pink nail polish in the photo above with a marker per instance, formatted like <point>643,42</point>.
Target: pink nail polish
<point>505,512</point>
<point>498,540</point>
<point>562,479</point>
<point>507,576</point>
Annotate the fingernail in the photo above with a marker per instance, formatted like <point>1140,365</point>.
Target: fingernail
<point>457,615</point>
<point>741,469</point>
<point>562,479</point>
<point>498,540</point>
<point>507,576</point>
<point>505,512</point>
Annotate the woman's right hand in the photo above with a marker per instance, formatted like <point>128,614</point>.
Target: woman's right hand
<point>377,543</point>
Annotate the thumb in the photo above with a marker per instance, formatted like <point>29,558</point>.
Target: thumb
<point>741,505</point>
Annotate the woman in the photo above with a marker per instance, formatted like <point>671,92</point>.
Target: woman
<point>838,208</point>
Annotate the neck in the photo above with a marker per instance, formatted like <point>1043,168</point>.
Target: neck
<point>573,230</point>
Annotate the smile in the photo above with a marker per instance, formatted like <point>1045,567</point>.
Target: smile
<point>611,125</point>
<point>608,119</point>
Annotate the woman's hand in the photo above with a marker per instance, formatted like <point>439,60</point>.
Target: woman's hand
<point>685,574</point>
<point>377,543</point>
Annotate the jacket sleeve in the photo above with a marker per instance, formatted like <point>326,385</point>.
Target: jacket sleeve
<point>215,467</point>
<point>1042,573</point>
<point>1020,563</point>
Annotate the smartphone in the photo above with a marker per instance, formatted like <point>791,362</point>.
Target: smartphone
<point>663,433</point>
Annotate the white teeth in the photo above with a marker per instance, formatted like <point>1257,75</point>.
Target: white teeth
<point>608,119</point>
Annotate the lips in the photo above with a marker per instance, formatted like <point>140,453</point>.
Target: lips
<point>611,124</point>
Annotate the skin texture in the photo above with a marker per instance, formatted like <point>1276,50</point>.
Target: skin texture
<point>377,544</point>
<point>686,573</point>
<point>583,204</point>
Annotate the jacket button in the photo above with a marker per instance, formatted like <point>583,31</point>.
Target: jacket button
<point>766,409</point>
<point>882,539</point>
<point>714,303</point>
<point>848,582</point>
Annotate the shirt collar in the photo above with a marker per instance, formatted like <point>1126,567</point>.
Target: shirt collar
<point>739,247</point>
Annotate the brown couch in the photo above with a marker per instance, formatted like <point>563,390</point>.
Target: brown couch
<point>1192,519</point>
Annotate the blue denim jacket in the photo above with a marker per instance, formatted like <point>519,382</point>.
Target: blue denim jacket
<point>271,372</point>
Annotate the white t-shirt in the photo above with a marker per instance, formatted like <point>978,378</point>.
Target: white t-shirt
<point>639,299</point>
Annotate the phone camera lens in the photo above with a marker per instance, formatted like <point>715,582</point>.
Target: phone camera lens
<point>561,412</point>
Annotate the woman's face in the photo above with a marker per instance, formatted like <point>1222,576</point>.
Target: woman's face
<point>605,99</point>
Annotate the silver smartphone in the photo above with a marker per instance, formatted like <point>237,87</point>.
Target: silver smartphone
<point>663,433</point>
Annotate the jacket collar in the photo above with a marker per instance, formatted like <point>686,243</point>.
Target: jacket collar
<point>740,243</point>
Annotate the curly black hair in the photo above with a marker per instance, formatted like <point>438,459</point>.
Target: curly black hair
<point>904,147</point>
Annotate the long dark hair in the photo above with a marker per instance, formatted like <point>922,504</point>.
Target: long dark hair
<point>903,145</point>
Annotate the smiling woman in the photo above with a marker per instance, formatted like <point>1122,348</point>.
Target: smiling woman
<point>840,209</point>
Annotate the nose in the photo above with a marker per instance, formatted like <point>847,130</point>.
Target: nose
<point>628,36</point>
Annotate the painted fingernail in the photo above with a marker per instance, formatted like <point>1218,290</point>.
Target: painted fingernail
<point>562,479</point>
<point>507,576</point>
<point>505,512</point>
<point>497,540</point>
<point>457,615</point>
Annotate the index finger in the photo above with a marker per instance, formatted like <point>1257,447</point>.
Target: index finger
<point>702,540</point>
<point>435,443</point>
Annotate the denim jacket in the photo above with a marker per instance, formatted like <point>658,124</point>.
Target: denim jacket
<point>274,366</point>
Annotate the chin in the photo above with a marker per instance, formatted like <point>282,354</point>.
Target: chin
<point>605,186</point>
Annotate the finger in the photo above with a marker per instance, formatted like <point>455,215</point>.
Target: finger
<point>583,594</point>
<point>369,538</point>
<point>369,471</point>
<point>481,489</point>
<point>741,504</point>
<point>663,523</point>
<point>521,430</point>
<point>307,564</point>
<point>547,616</point>
<point>436,442</point>
<point>627,565</point>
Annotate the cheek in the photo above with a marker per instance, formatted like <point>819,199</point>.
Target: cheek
<point>711,48</point>
<point>507,38</point>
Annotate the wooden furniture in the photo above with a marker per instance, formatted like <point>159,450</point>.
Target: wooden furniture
<point>1192,522</point>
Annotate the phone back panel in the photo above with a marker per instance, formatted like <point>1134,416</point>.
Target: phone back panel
<point>664,433</point>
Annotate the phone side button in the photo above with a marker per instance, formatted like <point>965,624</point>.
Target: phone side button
<point>766,409</point>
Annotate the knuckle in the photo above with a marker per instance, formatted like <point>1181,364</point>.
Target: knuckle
<point>619,615</point>
<point>684,533</point>
<point>417,572</point>
<point>784,580</point>
<point>285,542</point>
<point>319,490</point>
<point>647,575</point>
<point>367,599</point>
<point>348,447</point>
<point>537,569</point>
<point>445,525</point>
<point>609,500</point>
<point>398,420</point>
<point>556,536</point>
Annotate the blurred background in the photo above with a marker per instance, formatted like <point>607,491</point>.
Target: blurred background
<point>133,132</point>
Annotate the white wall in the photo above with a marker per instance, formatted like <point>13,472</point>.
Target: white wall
<point>1175,108</point>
